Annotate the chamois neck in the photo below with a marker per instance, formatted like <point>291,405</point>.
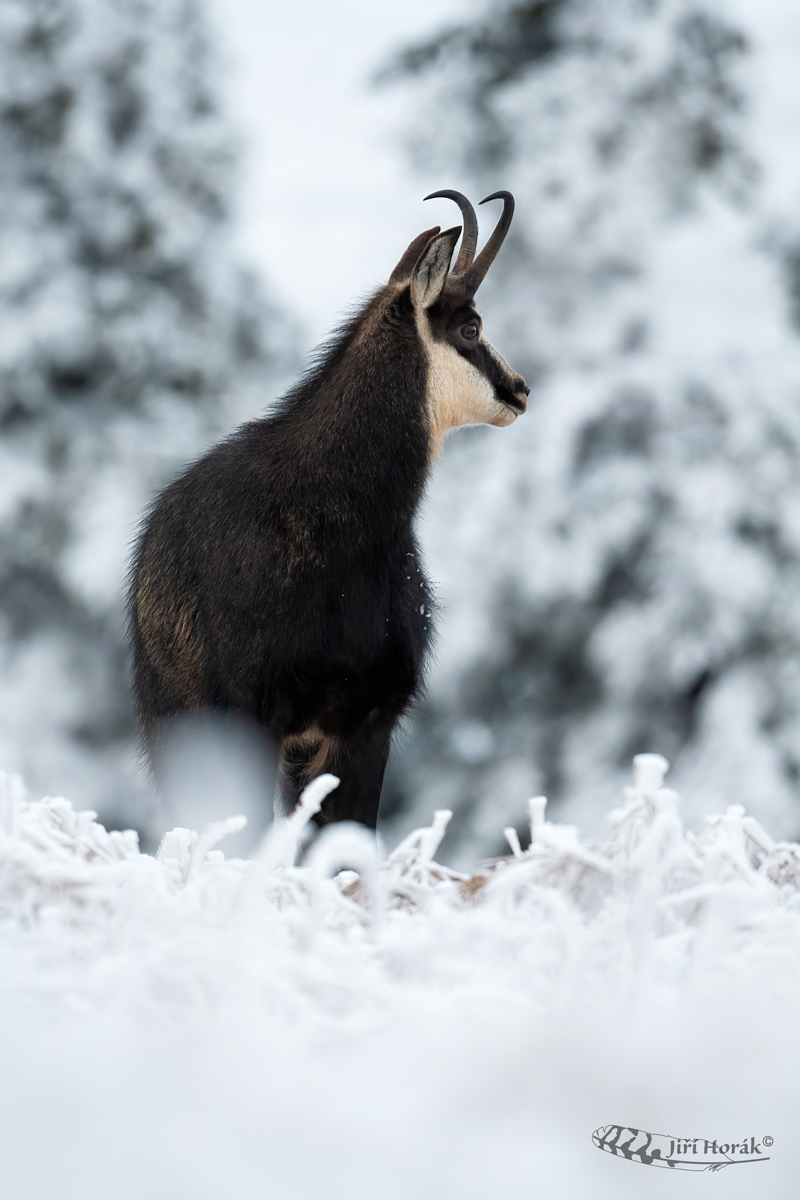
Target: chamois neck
<point>362,423</point>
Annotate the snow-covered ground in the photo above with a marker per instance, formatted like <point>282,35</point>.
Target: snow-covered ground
<point>191,1026</point>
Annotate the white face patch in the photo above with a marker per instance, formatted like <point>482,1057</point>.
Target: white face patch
<point>458,393</point>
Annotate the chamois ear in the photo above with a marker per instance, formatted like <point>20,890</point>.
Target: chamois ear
<point>430,273</point>
<point>402,271</point>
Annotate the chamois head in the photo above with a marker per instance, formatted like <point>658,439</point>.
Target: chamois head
<point>469,383</point>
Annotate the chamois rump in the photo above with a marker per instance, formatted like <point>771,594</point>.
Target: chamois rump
<point>279,575</point>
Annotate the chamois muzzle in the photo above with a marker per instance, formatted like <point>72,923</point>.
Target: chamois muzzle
<point>469,272</point>
<point>516,399</point>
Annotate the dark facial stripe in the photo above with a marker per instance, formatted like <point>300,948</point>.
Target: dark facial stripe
<point>501,380</point>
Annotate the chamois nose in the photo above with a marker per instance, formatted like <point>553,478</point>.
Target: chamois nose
<point>521,393</point>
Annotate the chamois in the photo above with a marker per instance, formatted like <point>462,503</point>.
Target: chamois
<point>279,575</point>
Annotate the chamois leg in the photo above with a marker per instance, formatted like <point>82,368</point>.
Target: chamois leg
<point>360,763</point>
<point>295,771</point>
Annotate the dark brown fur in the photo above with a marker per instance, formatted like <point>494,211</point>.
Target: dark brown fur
<point>280,576</point>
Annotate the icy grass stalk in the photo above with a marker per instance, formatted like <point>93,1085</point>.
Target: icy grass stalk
<point>280,845</point>
<point>342,847</point>
<point>186,850</point>
<point>275,859</point>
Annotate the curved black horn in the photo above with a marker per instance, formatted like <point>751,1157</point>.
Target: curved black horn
<point>469,242</point>
<point>488,254</point>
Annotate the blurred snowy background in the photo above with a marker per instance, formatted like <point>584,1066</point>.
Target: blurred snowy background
<point>192,196</point>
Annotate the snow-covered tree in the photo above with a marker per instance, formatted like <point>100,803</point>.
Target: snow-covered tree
<point>128,336</point>
<point>621,571</point>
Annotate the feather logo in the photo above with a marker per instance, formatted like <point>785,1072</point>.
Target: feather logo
<point>677,1153</point>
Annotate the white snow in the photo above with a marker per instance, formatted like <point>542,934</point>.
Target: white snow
<point>188,1025</point>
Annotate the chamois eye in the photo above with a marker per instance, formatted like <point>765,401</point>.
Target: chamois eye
<point>470,332</point>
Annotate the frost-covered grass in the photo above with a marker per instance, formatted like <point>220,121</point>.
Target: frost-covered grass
<point>191,1026</point>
